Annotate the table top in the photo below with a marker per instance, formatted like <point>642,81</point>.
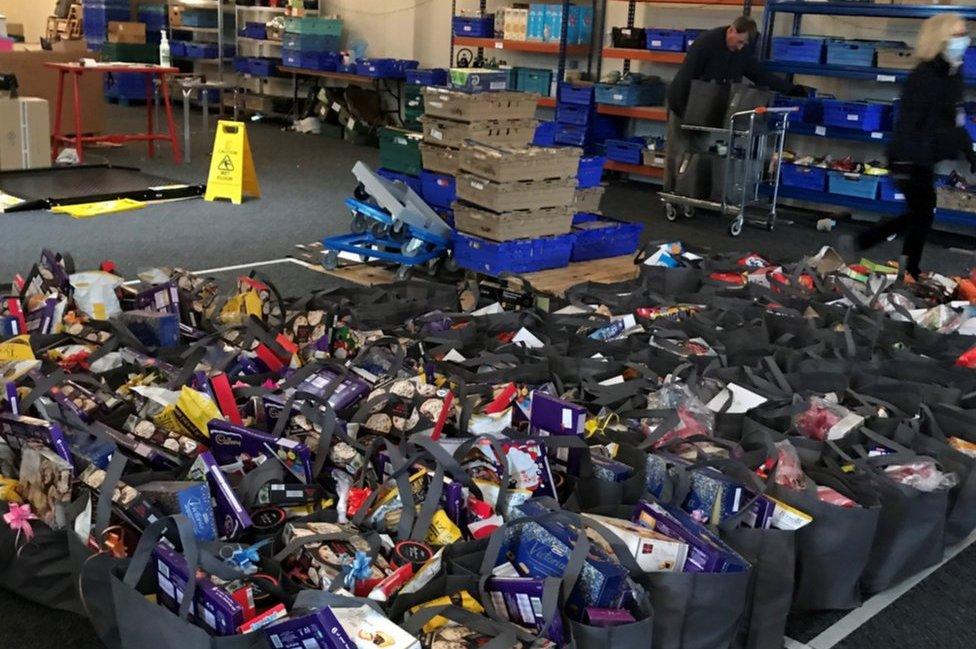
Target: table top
<point>338,76</point>
<point>113,67</point>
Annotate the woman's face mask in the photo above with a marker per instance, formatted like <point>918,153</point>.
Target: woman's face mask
<point>955,49</point>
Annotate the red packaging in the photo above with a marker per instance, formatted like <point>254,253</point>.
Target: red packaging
<point>968,358</point>
<point>736,279</point>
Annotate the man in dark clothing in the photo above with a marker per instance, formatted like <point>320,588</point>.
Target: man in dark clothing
<point>726,55</point>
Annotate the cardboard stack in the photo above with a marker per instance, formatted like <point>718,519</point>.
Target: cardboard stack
<point>25,134</point>
<point>515,193</point>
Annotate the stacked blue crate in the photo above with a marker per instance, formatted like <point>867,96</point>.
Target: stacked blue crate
<point>156,19</point>
<point>309,48</point>
<point>97,14</point>
<point>578,123</point>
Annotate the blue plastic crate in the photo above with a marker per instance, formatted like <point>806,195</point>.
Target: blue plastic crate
<point>798,49</point>
<point>439,190</point>
<point>606,127</point>
<point>201,51</point>
<point>632,94</point>
<point>616,239</point>
<point>262,67</point>
<point>858,185</point>
<point>533,80</point>
<point>860,115</point>
<point>385,68</point>
<point>665,40</point>
<point>888,190</point>
<point>199,18</point>
<point>590,171</point>
<point>429,77</point>
<point>574,114</point>
<point>571,134</point>
<point>255,30</point>
<point>792,175</point>
<point>545,134</point>
<point>810,108</point>
<point>311,42</point>
<point>481,27</point>
<point>853,53</point>
<point>573,94</point>
<point>691,35</point>
<point>322,61</point>
<point>413,182</point>
<point>519,256</point>
<point>629,151</point>
<point>177,48</point>
<point>969,64</point>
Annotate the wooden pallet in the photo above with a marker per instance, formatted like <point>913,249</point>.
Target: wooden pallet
<point>551,282</point>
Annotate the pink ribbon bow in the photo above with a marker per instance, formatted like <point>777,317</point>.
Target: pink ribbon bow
<point>18,518</point>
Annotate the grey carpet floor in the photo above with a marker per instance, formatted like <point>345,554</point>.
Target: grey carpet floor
<point>304,180</point>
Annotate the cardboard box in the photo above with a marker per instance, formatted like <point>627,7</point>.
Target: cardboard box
<point>440,159</point>
<point>25,134</point>
<point>588,200</point>
<point>120,32</point>
<point>479,107</point>
<point>507,226</point>
<point>509,165</point>
<point>175,16</point>
<point>444,132</point>
<point>41,82</point>
<point>523,195</point>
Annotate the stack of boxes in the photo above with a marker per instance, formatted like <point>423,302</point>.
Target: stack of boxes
<point>155,18</point>
<point>413,94</point>
<point>577,122</point>
<point>97,14</point>
<point>312,43</point>
<point>544,22</point>
<point>127,43</point>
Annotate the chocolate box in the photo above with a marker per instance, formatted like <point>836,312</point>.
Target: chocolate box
<point>230,443</point>
<point>231,517</point>
<point>519,600</point>
<point>706,552</point>
<point>213,608</point>
<point>192,499</point>
<point>17,429</point>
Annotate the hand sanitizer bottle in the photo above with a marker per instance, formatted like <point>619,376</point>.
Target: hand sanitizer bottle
<point>164,59</point>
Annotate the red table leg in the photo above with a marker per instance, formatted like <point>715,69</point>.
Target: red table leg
<point>169,120</point>
<point>149,110</point>
<point>58,104</point>
<point>78,132</point>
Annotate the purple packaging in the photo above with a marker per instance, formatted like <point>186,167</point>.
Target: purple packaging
<point>232,518</point>
<point>229,443</point>
<point>347,393</point>
<point>213,608</point>
<point>706,552</point>
<point>605,617</point>
<point>9,326</point>
<point>453,501</point>
<point>41,319</point>
<point>156,457</point>
<point>610,470</point>
<point>317,630</point>
<point>519,600</point>
<point>162,298</point>
<point>18,428</point>
<point>554,416</point>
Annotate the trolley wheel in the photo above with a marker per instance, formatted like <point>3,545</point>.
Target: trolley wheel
<point>330,259</point>
<point>399,231</point>
<point>411,248</point>
<point>359,223</point>
<point>671,211</point>
<point>735,228</point>
<point>688,211</point>
<point>360,193</point>
<point>402,273</point>
<point>451,265</point>
<point>379,229</point>
<point>770,226</point>
<point>433,266</point>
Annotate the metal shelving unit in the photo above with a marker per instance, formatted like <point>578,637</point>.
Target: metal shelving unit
<point>878,75</point>
<point>204,34</point>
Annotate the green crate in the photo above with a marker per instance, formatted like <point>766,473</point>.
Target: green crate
<point>413,91</point>
<point>309,25</point>
<point>533,80</point>
<point>130,52</point>
<point>413,114</point>
<point>400,151</point>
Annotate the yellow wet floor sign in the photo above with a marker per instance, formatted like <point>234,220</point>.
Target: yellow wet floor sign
<point>232,174</point>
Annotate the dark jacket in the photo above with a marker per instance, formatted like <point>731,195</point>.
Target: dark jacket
<point>709,59</point>
<point>926,131</point>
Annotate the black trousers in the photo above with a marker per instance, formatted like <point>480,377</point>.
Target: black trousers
<point>916,183</point>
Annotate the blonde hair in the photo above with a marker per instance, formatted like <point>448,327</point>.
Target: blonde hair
<point>935,33</point>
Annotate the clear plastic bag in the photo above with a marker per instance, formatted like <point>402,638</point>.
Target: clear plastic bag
<point>923,474</point>
<point>789,472</point>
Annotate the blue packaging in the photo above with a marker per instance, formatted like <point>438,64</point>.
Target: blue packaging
<point>509,595</point>
<point>153,329</point>
<point>16,429</point>
<point>232,518</point>
<point>585,20</point>
<point>192,499</point>
<point>553,24</point>
<point>706,552</point>
<point>536,28</point>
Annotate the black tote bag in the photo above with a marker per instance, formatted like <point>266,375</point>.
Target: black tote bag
<point>708,102</point>
<point>694,176</point>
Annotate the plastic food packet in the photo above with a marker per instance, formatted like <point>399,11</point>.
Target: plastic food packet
<point>941,319</point>
<point>825,419</point>
<point>968,358</point>
<point>694,417</point>
<point>834,497</point>
<point>963,446</point>
<point>789,472</point>
<point>922,474</point>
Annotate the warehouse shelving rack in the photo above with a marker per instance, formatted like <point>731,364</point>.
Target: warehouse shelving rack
<point>884,76</point>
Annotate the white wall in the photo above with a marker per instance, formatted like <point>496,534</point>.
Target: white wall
<point>32,14</point>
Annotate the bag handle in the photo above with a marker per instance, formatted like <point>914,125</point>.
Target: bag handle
<point>504,636</point>
<point>143,553</point>
<point>300,542</point>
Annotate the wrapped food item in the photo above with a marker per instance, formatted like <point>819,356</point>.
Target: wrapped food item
<point>825,419</point>
<point>789,472</point>
<point>963,446</point>
<point>834,497</point>
<point>923,474</point>
<point>694,417</point>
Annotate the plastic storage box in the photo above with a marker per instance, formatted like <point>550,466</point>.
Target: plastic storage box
<point>533,80</point>
<point>545,134</point>
<point>199,18</point>
<point>413,182</point>
<point>574,114</point>
<point>969,64</point>
<point>598,237</point>
<point>481,27</point>
<point>590,172</point>
<point>622,94</point>
<point>665,40</point>
<point>255,30</point>
<point>312,25</point>
<point>629,37</point>
<point>400,151</point>
<point>439,190</point>
<point>310,42</point>
<point>810,108</point>
<point>572,94</point>
<point>691,35</point>
<point>888,190</point>
<point>518,256</point>
<point>859,115</point>
<point>431,77</point>
<point>853,53</point>
<point>858,185</point>
<point>798,49</point>
<point>177,48</point>
<point>629,151</point>
<point>201,51</point>
<point>803,177</point>
<point>571,134</point>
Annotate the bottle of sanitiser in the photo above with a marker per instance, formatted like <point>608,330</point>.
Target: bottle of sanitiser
<point>164,59</point>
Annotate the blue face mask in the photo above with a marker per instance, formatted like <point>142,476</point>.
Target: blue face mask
<point>955,49</point>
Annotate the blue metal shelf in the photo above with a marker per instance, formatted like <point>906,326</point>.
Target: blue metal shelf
<point>835,133</point>
<point>866,204</point>
<point>868,9</point>
<point>881,75</point>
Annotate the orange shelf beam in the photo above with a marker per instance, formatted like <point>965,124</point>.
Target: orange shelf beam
<point>648,113</point>
<point>640,170</point>
<point>519,46</point>
<point>547,102</point>
<point>634,54</point>
<point>720,3</point>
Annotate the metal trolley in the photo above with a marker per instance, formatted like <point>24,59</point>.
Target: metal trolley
<point>755,150</point>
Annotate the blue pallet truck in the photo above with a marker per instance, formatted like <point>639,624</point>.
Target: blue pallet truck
<point>390,223</point>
